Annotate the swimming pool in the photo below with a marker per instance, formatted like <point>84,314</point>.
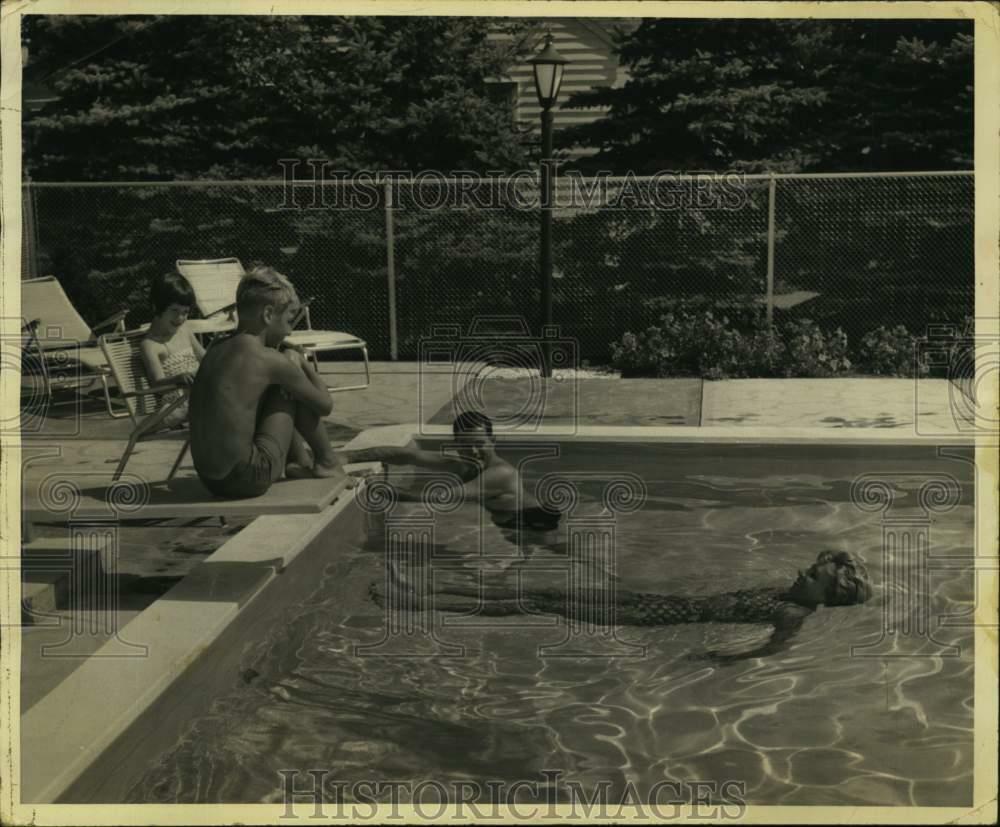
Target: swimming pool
<point>285,688</point>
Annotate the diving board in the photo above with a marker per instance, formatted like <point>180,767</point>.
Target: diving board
<point>183,497</point>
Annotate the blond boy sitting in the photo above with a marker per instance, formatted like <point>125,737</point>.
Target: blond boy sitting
<point>254,401</point>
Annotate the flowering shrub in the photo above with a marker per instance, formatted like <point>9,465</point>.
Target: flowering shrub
<point>766,354</point>
<point>640,355</point>
<point>697,342</point>
<point>811,352</point>
<point>682,344</point>
<point>717,350</point>
<point>885,352</point>
<point>692,343</point>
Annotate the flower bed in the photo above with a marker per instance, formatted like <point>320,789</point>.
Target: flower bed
<point>701,343</point>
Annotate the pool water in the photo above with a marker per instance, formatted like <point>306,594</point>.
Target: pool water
<point>810,725</point>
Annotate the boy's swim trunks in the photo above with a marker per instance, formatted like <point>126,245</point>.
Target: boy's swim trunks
<point>253,476</point>
<point>532,517</point>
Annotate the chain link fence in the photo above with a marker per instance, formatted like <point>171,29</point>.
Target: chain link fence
<point>855,251</point>
<point>879,250</point>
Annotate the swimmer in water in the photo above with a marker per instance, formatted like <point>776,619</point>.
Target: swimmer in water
<point>483,476</point>
<point>835,579</point>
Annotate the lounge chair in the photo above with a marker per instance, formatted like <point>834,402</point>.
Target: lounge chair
<point>121,350</point>
<point>55,338</point>
<point>214,282</point>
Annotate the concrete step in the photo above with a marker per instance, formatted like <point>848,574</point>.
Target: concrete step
<point>42,592</point>
<point>47,566</point>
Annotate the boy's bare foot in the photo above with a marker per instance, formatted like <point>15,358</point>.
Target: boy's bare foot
<point>296,471</point>
<point>333,471</point>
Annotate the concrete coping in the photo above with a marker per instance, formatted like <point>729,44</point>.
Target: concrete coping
<point>119,681</point>
<point>187,497</point>
<point>398,435</point>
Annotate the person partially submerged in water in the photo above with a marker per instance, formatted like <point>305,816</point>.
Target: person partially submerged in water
<point>835,579</point>
<point>480,474</point>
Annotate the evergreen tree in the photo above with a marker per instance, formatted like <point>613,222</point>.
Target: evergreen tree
<point>786,95</point>
<point>187,98</point>
<point>159,98</point>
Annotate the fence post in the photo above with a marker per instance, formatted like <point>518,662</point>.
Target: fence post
<point>29,231</point>
<point>390,260</point>
<point>770,248</point>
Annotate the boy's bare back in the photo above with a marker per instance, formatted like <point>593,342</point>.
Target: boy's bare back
<point>234,376</point>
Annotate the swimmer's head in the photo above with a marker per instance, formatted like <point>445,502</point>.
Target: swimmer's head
<point>266,299</point>
<point>473,432</point>
<point>835,579</point>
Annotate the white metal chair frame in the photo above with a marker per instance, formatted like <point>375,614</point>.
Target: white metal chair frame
<point>74,329</point>
<point>213,301</point>
<point>121,351</point>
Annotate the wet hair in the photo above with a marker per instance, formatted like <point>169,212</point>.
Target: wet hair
<point>852,585</point>
<point>472,421</point>
<point>168,289</point>
<point>262,287</point>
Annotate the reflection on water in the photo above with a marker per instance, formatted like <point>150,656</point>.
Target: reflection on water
<point>811,725</point>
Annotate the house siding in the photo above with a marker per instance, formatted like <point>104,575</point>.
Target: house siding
<point>587,44</point>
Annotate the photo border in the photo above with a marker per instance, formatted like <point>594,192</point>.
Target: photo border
<point>987,231</point>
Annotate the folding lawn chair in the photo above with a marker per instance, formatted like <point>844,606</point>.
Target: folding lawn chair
<point>124,359</point>
<point>214,282</point>
<point>62,350</point>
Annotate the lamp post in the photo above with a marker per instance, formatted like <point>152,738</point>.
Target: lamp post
<point>548,66</point>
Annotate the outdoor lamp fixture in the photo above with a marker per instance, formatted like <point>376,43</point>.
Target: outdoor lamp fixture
<point>548,66</point>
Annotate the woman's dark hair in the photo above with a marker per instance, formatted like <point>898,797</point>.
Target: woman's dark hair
<point>852,585</point>
<point>472,421</point>
<point>168,289</point>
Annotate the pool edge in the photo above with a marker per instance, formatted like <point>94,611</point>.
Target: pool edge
<point>57,747</point>
<point>400,434</point>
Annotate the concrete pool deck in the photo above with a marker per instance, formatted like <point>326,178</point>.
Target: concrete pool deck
<point>923,407</point>
<point>157,557</point>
